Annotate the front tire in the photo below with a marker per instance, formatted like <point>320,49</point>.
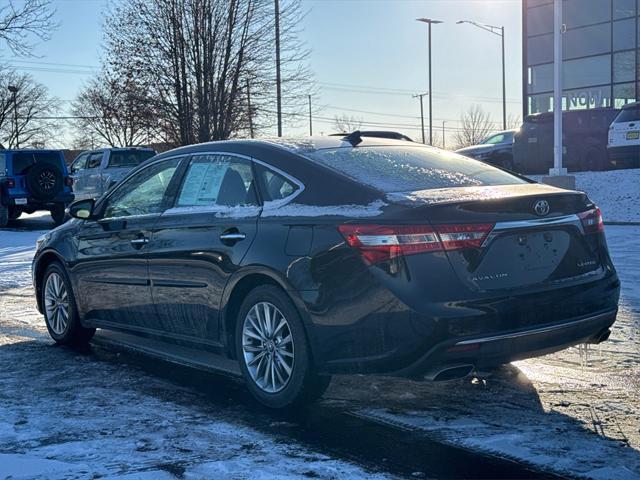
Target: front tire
<point>60,310</point>
<point>273,352</point>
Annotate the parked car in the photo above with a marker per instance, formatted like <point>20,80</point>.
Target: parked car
<point>624,137</point>
<point>33,180</point>
<point>496,149</point>
<point>584,143</point>
<point>96,171</point>
<point>288,261</point>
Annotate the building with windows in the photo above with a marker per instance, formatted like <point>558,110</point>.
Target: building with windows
<point>601,54</point>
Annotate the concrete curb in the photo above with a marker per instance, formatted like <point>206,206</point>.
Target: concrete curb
<point>632,224</point>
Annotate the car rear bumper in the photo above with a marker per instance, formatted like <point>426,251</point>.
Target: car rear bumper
<point>32,203</point>
<point>485,352</point>
<point>629,154</point>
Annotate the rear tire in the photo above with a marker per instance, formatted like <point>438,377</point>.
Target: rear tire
<point>60,310</point>
<point>273,352</point>
<point>14,213</point>
<point>58,214</point>
<point>4,216</point>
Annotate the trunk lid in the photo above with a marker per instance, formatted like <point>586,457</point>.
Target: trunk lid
<point>537,238</point>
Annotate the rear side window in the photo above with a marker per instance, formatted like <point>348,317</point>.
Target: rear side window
<point>628,115</point>
<point>22,161</point>
<point>275,186</point>
<point>217,180</point>
<point>95,159</point>
<point>404,169</point>
<point>131,158</point>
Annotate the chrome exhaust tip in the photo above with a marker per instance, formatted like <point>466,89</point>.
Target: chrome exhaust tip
<point>453,372</point>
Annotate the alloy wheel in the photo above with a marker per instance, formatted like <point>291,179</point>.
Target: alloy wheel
<point>267,346</point>
<point>47,180</point>
<point>56,303</point>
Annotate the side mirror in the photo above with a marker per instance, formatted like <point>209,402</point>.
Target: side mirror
<point>82,209</point>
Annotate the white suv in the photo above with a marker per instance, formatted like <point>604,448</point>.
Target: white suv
<point>624,137</point>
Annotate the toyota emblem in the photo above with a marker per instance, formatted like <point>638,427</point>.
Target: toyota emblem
<point>541,208</point>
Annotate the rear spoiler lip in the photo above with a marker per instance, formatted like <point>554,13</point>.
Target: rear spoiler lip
<point>444,196</point>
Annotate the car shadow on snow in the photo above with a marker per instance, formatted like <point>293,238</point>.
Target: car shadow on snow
<point>386,424</point>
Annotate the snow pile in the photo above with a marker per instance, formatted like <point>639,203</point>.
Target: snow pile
<point>16,252</point>
<point>616,192</point>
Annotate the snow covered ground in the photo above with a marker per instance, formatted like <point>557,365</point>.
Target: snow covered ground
<point>576,412</point>
<point>616,192</point>
<point>65,414</point>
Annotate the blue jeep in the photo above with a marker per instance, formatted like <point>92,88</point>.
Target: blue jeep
<point>33,180</point>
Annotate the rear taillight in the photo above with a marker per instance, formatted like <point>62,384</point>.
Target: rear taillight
<point>592,221</point>
<point>9,182</point>
<point>68,181</point>
<point>378,243</point>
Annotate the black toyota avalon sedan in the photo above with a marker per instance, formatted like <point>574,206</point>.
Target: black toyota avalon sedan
<point>287,261</point>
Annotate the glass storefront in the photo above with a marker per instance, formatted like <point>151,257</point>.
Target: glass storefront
<point>601,58</point>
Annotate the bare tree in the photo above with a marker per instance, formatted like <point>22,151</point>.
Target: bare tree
<point>115,110</point>
<point>200,57</point>
<point>475,125</point>
<point>347,124</point>
<point>20,25</point>
<point>514,122</point>
<point>34,107</point>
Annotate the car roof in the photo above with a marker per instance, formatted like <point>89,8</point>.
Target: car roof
<point>296,145</point>
<point>30,150</point>
<point>630,105</point>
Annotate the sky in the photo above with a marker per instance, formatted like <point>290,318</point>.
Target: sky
<point>368,58</point>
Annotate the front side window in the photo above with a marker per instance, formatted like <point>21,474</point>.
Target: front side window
<point>404,169</point>
<point>217,180</point>
<point>79,163</point>
<point>144,193</point>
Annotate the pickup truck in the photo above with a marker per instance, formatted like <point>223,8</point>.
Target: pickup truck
<point>96,171</point>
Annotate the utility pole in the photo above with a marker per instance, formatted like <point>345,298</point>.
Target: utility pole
<point>558,28</point>
<point>13,89</point>
<point>421,96</point>
<point>504,85</point>
<point>251,132</point>
<point>278,79</point>
<point>430,21</point>
<point>499,31</point>
<point>443,137</point>
<point>310,118</point>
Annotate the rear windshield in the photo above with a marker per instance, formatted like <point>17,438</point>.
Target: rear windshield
<point>628,115</point>
<point>23,160</point>
<point>130,158</point>
<point>404,169</point>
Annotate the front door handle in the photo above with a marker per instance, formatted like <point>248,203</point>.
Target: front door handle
<point>139,242</point>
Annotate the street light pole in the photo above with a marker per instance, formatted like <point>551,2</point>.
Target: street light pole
<point>13,89</point>
<point>421,96</point>
<point>310,119</point>
<point>430,21</point>
<point>499,31</point>
<point>278,79</point>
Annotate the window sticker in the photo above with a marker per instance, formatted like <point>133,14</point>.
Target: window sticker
<point>203,183</point>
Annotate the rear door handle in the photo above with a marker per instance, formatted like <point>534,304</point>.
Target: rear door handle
<point>232,237</point>
<point>139,241</point>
